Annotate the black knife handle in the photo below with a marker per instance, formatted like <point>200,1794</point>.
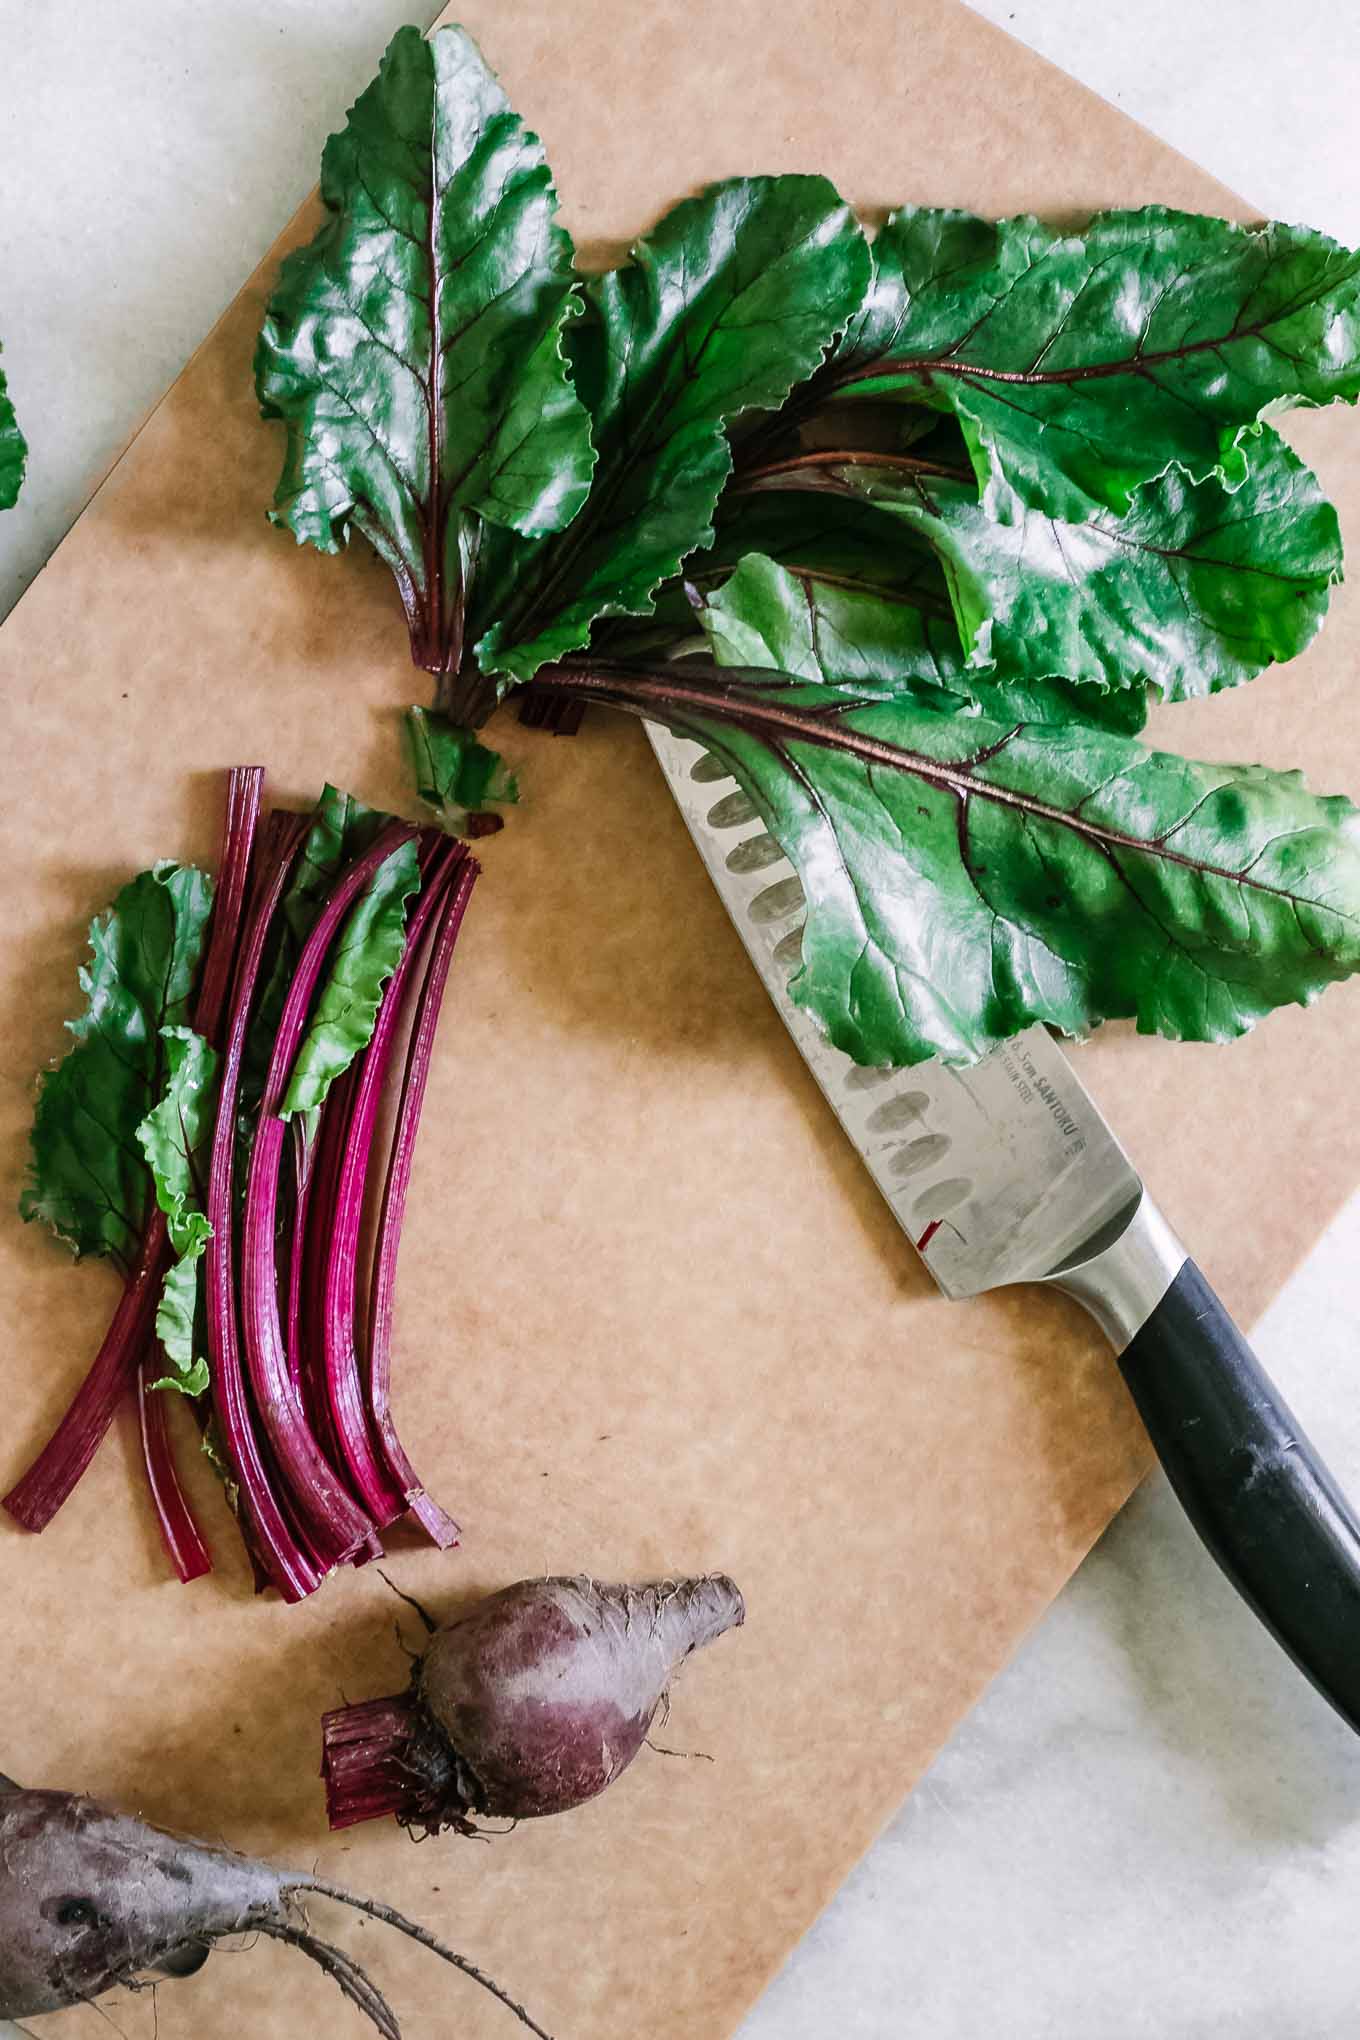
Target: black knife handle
<point>1261,1499</point>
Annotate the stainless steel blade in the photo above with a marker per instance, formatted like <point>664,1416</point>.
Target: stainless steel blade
<point>1004,1172</point>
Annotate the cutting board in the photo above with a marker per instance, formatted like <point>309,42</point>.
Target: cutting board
<point>652,1316</point>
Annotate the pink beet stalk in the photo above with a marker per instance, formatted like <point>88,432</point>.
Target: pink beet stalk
<point>384,1497</point>
<point>339,1527</point>
<point>182,1537</point>
<point>35,1499</point>
<point>440,1528</point>
<point>274,1544</point>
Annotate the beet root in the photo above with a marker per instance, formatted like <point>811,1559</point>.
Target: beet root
<point>91,1900</point>
<point>529,1705</point>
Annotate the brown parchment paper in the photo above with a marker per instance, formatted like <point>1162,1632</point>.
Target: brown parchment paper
<point>653,1317</point>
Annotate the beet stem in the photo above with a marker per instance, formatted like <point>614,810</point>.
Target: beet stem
<point>181,1534</point>
<point>384,1496</point>
<point>332,1516</point>
<point>273,1542</point>
<point>35,1499</point>
<point>440,1528</point>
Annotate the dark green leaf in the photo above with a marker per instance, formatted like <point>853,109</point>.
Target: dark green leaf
<point>966,877</point>
<point>455,773</point>
<point>13,451</point>
<point>1081,365</point>
<point>368,951</point>
<point>176,1138</point>
<point>1193,589</point>
<point>414,348</point>
<point>722,309</point>
<point>87,1177</point>
<point>814,626</point>
<point>176,1322</point>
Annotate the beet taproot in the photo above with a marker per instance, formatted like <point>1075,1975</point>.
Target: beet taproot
<point>91,1900</point>
<point>529,1705</point>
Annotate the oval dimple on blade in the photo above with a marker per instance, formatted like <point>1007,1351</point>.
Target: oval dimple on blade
<point>779,900</point>
<point>706,769</point>
<point>788,950</point>
<point>895,1113</point>
<point>868,1077</point>
<point>939,1199</point>
<point>757,853</point>
<point>918,1154</point>
<point>732,810</point>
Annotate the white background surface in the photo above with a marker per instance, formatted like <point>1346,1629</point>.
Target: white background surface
<point>1150,1829</point>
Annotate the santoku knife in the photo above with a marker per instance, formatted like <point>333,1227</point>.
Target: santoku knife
<point>1006,1172</point>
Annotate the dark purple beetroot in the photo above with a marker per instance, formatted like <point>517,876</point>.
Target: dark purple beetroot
<point>91,1900</point>
<point>531,1704</point>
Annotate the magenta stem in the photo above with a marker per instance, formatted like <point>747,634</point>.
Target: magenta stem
<point>35,1499</point>
<point>274,1543</point>
<point>383,1497</point>
<point>440,1527</point>
<point>181,1534</point>
<point>333,1519</point>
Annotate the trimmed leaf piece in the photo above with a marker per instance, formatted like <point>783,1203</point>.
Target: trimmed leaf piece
<point>455,773</point>
<point>1194,589</point>
<point>176,1322</point>
<point>88,1177</point>
<point>800,623</point>
<point>723,308</point>
<point>365,957</point>
<point>13,451</point>
<point>176,1138</point>
<point>1082,365</point>
<point>413,349</point>
<point>342,828</point>
<point>967,877</point>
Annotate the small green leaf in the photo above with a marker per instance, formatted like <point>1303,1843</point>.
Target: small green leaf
<point>455,773</point>
<point>176,1323</point>
<point>176,1138</point>
<point>88,1177</point>
<point>13,451</point>
<point>965,877</point>
<point>727,304</point>
<point>368,951</point>
<point>1193,589</point>
<point>1083,365</point>
<point>414,348</point>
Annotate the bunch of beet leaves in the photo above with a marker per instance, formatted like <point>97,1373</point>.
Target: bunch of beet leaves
<point>907,532</point>
<point>215,1132</point>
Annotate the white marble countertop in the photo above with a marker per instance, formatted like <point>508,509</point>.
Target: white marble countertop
<point>1150,1828</point>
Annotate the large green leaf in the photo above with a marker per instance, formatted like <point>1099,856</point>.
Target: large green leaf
<point>1193,589</point>
<point>13,450</point>
<point>965,877</point>
<point>414,347</point>
<point>367,952</point>
<point>801,622</point>
<point>1081,365</point>
<point>727,304</point>
<point>176,1137</point>
<point>88,1177</point>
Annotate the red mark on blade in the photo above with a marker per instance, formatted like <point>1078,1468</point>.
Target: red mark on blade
<point>928,1235</point>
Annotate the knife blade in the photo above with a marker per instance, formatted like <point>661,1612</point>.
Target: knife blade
<point>1007,1172</point>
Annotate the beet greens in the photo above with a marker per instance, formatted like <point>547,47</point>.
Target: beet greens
<point>909,531</point>
<point>228,1167</point>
